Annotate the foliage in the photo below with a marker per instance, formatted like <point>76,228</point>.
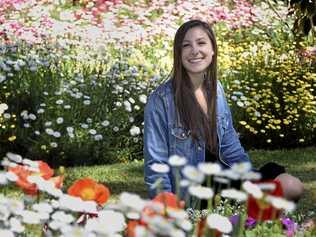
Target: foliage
<point>304,13</point>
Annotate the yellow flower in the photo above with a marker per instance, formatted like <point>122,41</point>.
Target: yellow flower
<point>243,122</point>
<point>277,121</point>
<point>12,138</point>
<point>286,122</point>
<point>43,147</point>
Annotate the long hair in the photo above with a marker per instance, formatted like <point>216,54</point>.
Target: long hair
<point>189,112</point>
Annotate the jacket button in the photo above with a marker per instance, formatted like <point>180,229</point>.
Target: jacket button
<point>199,148</point>
<point>183,135</point>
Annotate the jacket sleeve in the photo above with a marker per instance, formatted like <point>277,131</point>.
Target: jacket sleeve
<point>156,143</point>
<point>231,150</point>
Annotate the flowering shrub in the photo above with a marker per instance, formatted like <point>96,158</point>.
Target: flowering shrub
<point>76,90</point>
<point>272,101</point>
<point>85,210</point>
<point>58,112</point>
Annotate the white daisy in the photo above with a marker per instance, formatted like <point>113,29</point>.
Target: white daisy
<point>32,116</point>
<point>98,137</point>
<point>177,161</point>
<point>281,203</point>
<point>252,189</point>
<point>6,233</point>
<point>234,194</point>
<point>209,168</point>
<point>86,102</point>
<point>59,120</point>
<point>92,131</point>
<point>193,174</point>
<point>132,201</point>
<point>160,168</point>
<point>220,223</point>
<point>134,131</point>
<point>30,217</point>
<point>105,123</point>
<point>14,157</point>
<point>201,192</point>
<point>16,225</point>
<point>241,168</point>
<point>143,99</point>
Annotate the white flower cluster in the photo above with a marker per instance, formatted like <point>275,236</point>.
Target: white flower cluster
<point>58,213</point>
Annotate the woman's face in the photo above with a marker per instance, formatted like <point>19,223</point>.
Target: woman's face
<point>197,52</point>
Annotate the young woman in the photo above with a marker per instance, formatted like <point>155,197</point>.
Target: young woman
<point>188,115</point>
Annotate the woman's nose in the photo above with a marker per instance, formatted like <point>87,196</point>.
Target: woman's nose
<point>194,50</point>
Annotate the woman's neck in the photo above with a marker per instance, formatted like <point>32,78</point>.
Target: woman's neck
<point>196,80</point>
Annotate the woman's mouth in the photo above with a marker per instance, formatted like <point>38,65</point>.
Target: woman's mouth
<point>195,60</point>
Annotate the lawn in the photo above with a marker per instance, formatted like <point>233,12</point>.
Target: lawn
<point>129,176</point>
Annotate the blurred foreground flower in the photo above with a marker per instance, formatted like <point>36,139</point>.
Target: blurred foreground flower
<point>24,171</point>
<point>260,208</point>
<point>87,189</point>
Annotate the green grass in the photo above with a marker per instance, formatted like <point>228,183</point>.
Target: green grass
<point>117,177</point>
<point>129,176</point>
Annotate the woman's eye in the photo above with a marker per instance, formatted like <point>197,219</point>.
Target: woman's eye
<point>201,43</point>
<point>185,45</point>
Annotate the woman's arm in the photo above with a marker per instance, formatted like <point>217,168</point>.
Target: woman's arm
<point>231,150</point>
<point>156,143</point>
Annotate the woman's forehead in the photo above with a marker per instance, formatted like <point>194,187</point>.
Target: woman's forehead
<point>195,33</point>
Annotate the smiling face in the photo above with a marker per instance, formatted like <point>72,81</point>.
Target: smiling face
<point>197,52</point>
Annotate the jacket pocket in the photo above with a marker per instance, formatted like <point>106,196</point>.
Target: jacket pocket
<point>181,142</point>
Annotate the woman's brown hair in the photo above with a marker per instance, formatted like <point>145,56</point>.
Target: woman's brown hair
<point>189,111</point>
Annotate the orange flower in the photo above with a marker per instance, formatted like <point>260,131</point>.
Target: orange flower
<point>45,171</point>
<point>131,226</point>
<point>169,199</point>
<point>88,189</point>
<point>22,172</point>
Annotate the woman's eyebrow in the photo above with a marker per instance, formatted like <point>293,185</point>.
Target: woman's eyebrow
<point>202,38</point>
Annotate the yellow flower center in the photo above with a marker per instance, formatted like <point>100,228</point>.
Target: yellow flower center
<point>87,194</point>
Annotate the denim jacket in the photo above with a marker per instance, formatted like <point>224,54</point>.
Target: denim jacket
<point>165,136</point>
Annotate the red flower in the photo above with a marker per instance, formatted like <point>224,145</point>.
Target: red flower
<point>23,172</point>
<point>88,189</point>
<point>262,210</point>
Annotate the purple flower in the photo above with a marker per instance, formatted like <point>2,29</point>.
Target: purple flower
<point>250,223</point>
<point>234,219</point>
<point>290,226</point>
